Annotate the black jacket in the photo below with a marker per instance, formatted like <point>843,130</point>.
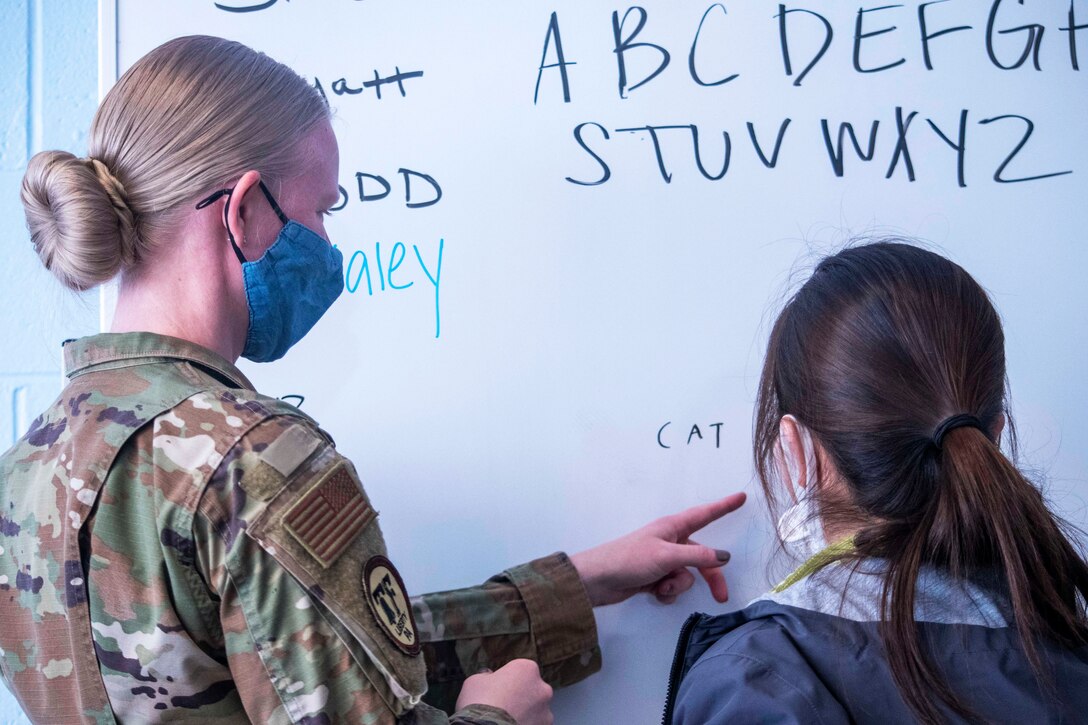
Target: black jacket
<point>812,654</point>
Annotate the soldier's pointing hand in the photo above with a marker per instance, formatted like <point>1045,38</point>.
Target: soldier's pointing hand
<point>656,558</point>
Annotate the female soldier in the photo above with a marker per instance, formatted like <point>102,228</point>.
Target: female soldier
<point>936,586</point>
<point>174,544</point>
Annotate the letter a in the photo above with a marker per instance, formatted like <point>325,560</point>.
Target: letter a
<point>560,60</point>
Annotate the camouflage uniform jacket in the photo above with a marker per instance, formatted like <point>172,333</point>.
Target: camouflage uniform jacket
<point>174,545</point>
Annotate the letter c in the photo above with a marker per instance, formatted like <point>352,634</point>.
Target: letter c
<point>660,431</point>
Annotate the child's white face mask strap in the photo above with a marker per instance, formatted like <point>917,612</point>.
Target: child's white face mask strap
<point>799,526</point>
<point>796,456</point>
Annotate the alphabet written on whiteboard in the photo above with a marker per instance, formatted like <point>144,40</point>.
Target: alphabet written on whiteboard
<point>885,141</point>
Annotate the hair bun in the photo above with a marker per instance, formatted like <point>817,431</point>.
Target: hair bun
<point>126,219</point>
<point>79,218</point>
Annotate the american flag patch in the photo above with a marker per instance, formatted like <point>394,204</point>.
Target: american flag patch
<point>330,515</point>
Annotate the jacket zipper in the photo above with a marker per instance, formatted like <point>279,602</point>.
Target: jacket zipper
<point>677,664</point>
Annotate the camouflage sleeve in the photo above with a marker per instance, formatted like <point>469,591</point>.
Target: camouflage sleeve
<point>424,714</point>
<point>302,641</point>
<point>481,715</point>
<point>538,611</point>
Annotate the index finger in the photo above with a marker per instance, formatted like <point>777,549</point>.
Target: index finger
<point>696,517</point>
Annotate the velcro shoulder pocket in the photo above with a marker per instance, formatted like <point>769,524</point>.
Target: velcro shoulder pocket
<point>321,527</point>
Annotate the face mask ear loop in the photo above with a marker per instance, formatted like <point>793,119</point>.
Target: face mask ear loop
<point>207,202</point>
<point>811,461</point>
<point>800,526</point>
<point>230,235</point>
<point>272,203</point>
<point>791,466</point>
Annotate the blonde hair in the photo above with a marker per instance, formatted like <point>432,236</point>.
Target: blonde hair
<point>189,117</point>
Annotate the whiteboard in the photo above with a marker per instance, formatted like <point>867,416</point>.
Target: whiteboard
<point>514,408</point>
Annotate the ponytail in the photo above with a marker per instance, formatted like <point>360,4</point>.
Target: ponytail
<point>985,516</point>
<point>880,341</point>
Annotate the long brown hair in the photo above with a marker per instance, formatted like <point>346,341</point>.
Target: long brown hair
<point>884,342</point>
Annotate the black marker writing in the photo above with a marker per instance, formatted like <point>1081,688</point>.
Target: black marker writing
<point>1032,42</point>
<point>1072,29</point>
<point>695,434</point>
<point>959,146</point>
<point>773,161</point>
<point>560,60</point>
<point>694,44</point>
<point>342,87</point>
<point>836,139</point>
<point>928,36</point>
<point>624,45</point>
<point>835,152</point>
<point>860,36</point>
<point>901,148</point>
<point>783,39</point>
<point>370,187</point>
<point>256,5</point>
<point>1008,159</point>
<point>606,173</point>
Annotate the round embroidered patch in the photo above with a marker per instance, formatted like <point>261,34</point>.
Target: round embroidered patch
<point>388,600</point>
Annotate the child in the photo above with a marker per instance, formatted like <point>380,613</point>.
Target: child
<point>936,586</point>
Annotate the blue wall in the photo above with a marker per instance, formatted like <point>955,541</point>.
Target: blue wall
<point>48,95</point>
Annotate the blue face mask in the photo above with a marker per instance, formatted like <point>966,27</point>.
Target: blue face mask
<point>289,288</point>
